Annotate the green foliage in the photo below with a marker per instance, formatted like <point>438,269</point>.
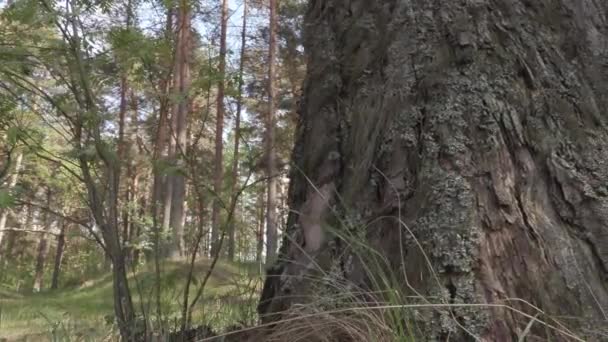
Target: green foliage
<point>166,168</point>
<point>7,106</point>
<point>25,12</point>
<point>6,199</point>
<point>63,70</point>
<point>12,135</point>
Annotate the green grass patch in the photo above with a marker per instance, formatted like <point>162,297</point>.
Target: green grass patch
<point>85,312</point>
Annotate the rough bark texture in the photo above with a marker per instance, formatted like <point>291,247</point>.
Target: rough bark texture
<point>271,169</point>
<point>481,124</point>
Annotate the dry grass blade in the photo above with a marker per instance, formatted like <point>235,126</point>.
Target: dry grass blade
<point>328,327</point>
<point>522,336</point>
<point>295,318</point>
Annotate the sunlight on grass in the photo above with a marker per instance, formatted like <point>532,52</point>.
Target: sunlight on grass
<point>86,312</point>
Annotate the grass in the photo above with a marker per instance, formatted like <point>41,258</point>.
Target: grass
<point>85,313</point>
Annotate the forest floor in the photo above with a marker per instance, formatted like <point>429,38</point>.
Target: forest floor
<point>85,313</point>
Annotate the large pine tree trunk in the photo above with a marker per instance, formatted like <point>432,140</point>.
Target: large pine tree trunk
<point>481,125</point>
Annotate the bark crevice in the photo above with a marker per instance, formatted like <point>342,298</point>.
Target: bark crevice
<point>478,123</point>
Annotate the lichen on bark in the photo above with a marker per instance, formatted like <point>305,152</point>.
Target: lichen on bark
<point>480,125</point>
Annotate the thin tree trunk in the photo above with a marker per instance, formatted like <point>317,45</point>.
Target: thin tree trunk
<point>58,255</point>
<point>25,219</point>
<point>157,201</point>
<point>129,216</point>
<point>203,209</point>
<point>237,130</point>
<point>181,79</point>
<point>260,227</point>
<point>105,211</point>
<point>122,149</point>
<point>12,181</point>
<point>131,202</point>
<point>218,178</point>
<point>143,202</point>
<point>137,197</point>
<point>467,144</point>
<point>122,114</point>
<point>168,249</point>
<point>123,304</point>
<point>103,201</point>
<point>161,198</point>
<point>43,248</point>
<point>41,254</point>
<point>271,204</point>
<point>126,219</point>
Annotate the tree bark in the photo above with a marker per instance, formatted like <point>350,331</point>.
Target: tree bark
<point>181,84</point>
<point>130,215</point>
<point>137,228</point>
<point>58,255</point>
<point>476,124</point>
<point>159,186</point>
<point>12,181</point>
<point>25,219</point>
<point>43,248</point>
<point>237,130</point>
<point>131,196</point>
<point>122,148</point>
<point>260,227</point>
<point>218,162</point>
<point>271,203</point>
<point>40,263</point>
<point>123,303</point>
<point>123,127</point>
<point>122,114</point>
